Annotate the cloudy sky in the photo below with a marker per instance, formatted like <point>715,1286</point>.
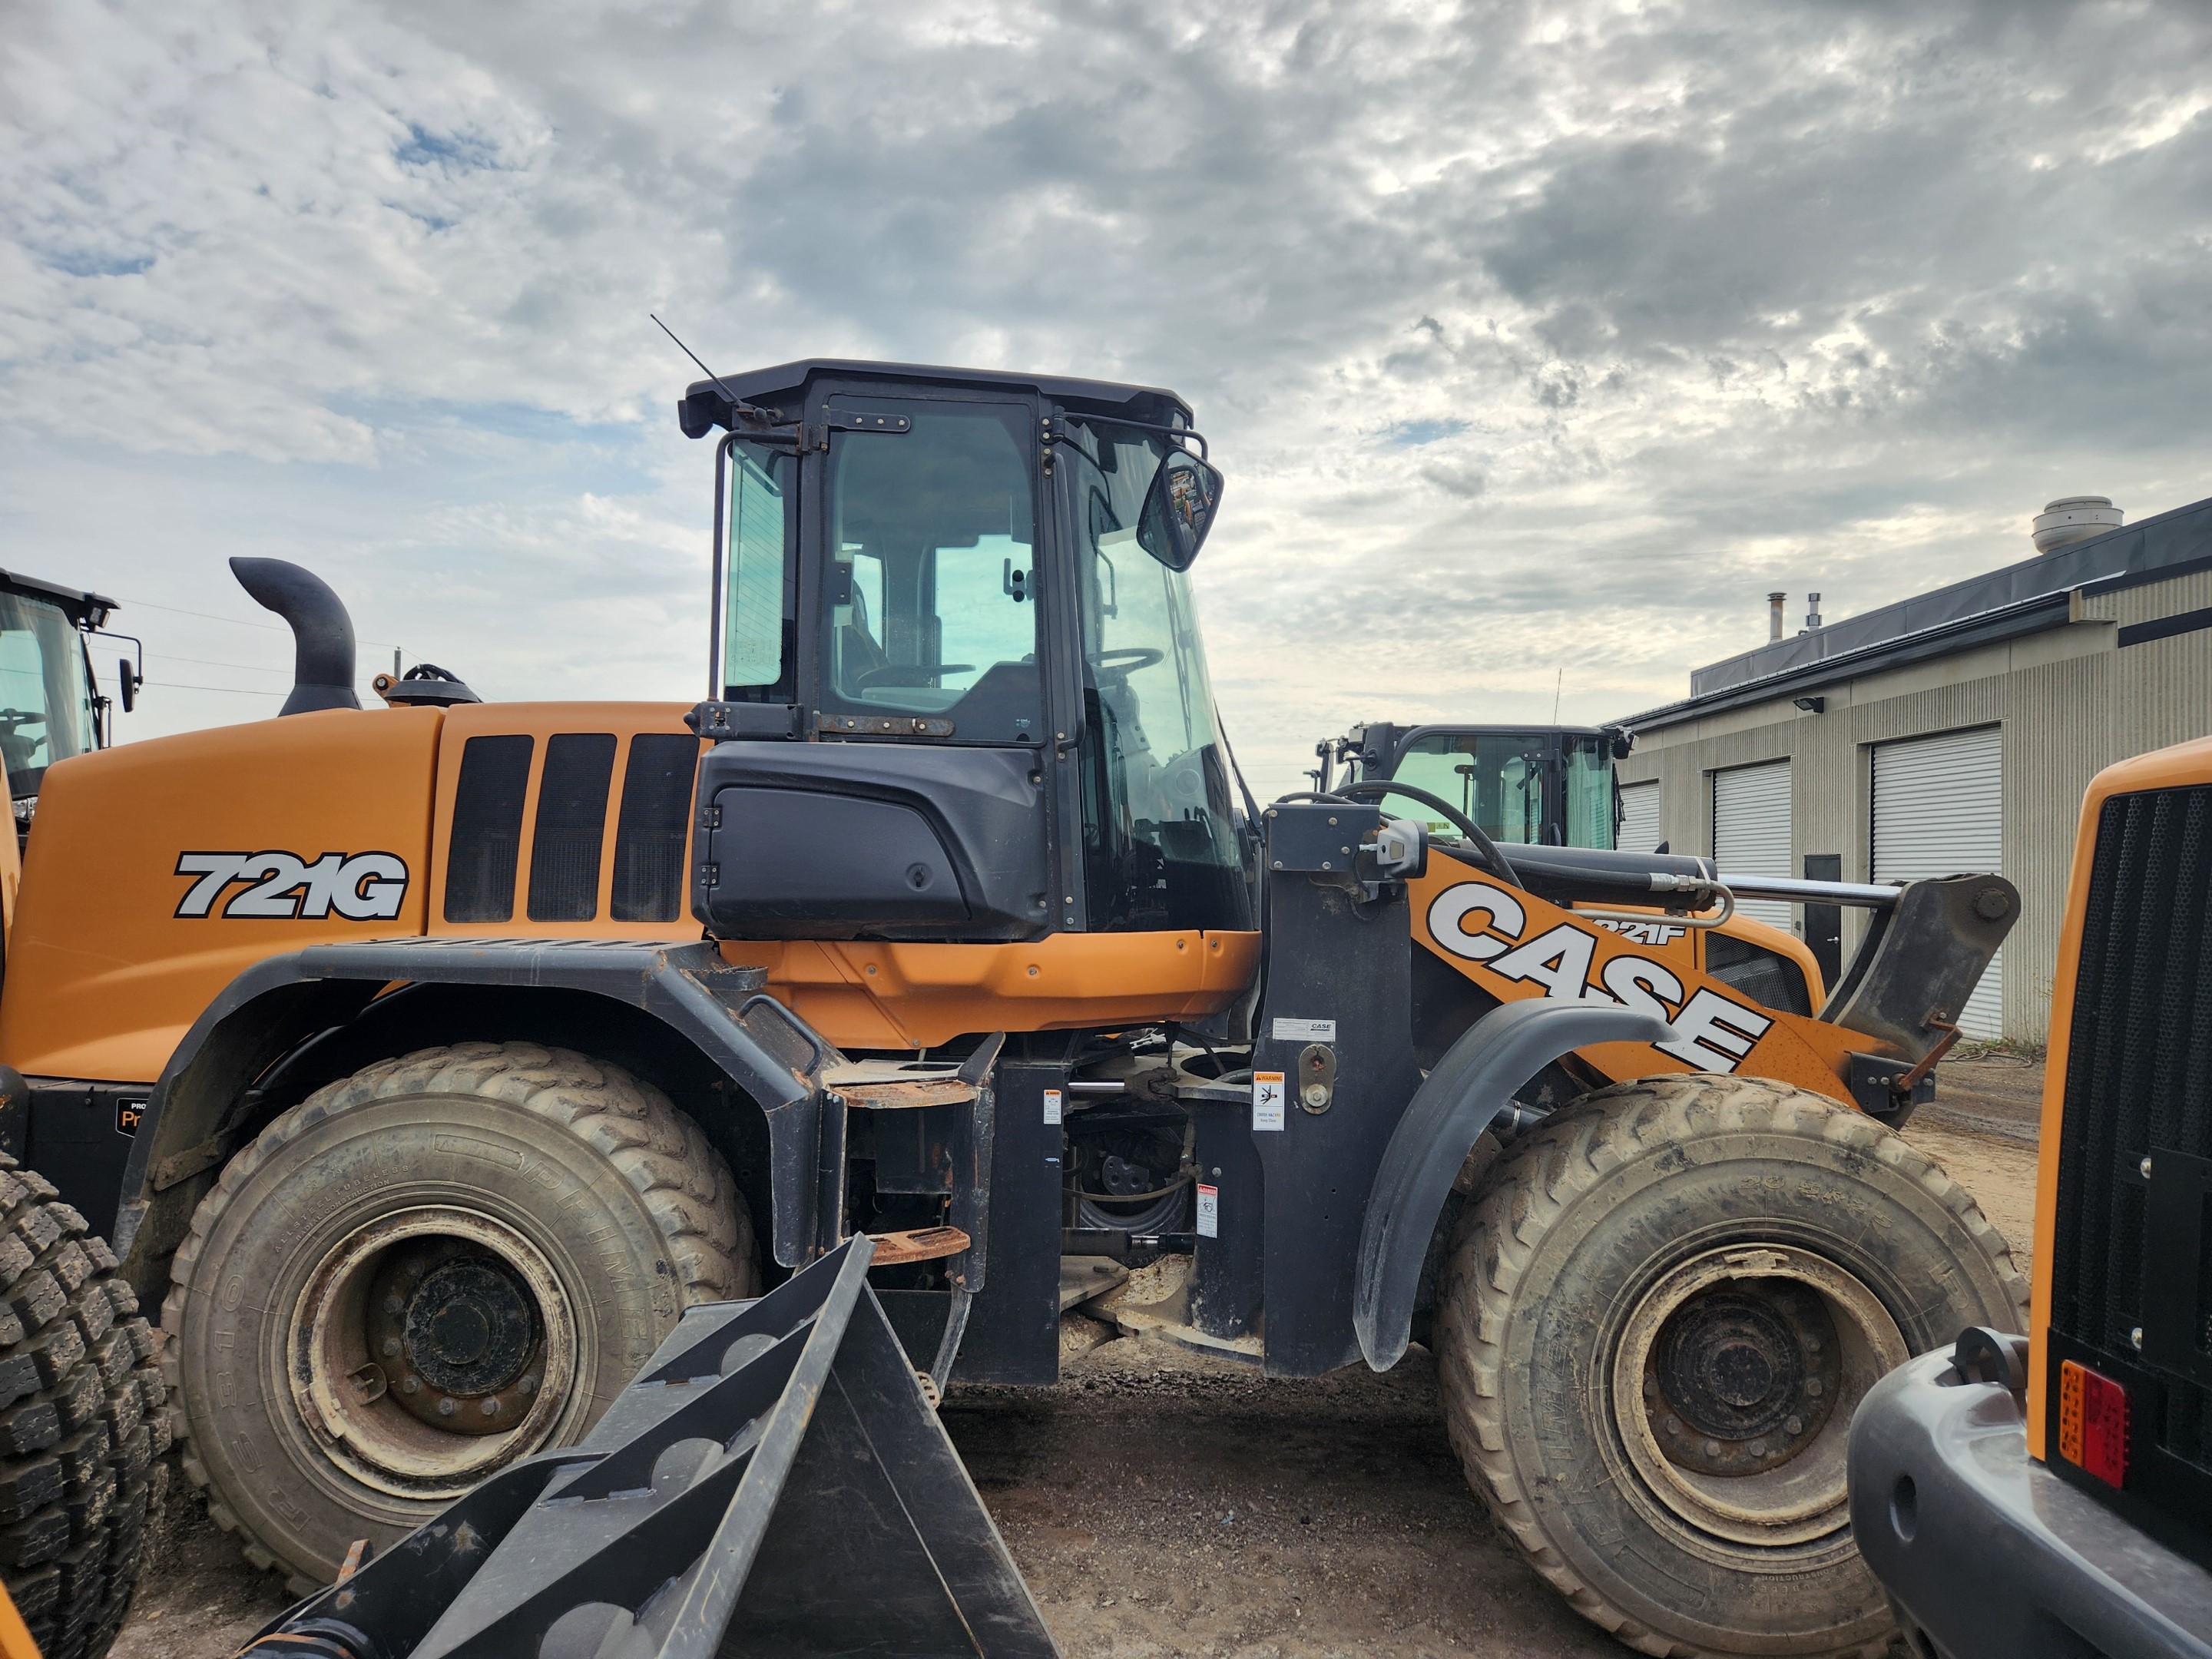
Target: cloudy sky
<point>1538,341</point>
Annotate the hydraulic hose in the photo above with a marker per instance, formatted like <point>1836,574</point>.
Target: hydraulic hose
<point>1499,862</point>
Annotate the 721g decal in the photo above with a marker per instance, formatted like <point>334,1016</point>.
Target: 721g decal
<point>359,886</point>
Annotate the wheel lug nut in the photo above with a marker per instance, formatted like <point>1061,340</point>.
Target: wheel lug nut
<point>1794,1426</point>
<point>1813,1386</point>
<point>1673,1425</point>
<point>491,1408</point>
<point>392,1304</point>
<point>1712,1449</point>
<point>412,1385</point>
<point>391,1346</point>
<point>527,1386</point>
<point>446,1408</point>
<point>1759,1449</point>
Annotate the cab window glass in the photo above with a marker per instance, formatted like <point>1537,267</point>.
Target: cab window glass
<point>1591,808</point>
<point>756,603</point>
<point>1498,781</point>
<point>927,605</point>
<point>1160,843</point>
<point>46,695</point>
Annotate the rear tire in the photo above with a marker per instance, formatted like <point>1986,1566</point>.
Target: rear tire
<point>425,1272</point>
<point>1656,1320</point>
<point>83,1423</point>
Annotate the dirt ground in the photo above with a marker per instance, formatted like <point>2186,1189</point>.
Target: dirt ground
<point>1165,1503</point>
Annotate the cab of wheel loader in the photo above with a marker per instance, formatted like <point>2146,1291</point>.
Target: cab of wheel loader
<point>1536,785</point>
<point>957,687</point>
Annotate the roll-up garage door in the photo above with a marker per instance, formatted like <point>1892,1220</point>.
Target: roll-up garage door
<point>1751,830</point>
<point>1639,817</point>
<point>1939,811</point>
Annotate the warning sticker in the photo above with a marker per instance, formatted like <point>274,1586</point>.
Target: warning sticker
<point>1305,1030</point>
<point>1267,1100</point>
<point>1052,1105</point>
<point>1209,1211</point>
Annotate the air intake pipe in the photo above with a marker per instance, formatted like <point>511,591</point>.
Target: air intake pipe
<point>322,633</point>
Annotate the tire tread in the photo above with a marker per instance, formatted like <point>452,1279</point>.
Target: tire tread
<point>663,1155</point>
<point>1531,1188</point>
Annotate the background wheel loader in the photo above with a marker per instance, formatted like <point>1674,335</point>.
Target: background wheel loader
<point>444,1053</point>
<point>2047,1494</point>
<point>84,1418</point>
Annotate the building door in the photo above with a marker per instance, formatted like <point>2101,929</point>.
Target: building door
<point>1751,831</point>
<point>1639,817</point>
<point>1939,811</point>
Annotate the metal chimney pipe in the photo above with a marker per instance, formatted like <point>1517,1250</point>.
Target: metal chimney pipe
<point>1774,603</point>
<point>1812,613</point>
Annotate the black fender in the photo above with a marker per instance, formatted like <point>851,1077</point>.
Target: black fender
<point>1471,1084</point>
<point>193,1120</point>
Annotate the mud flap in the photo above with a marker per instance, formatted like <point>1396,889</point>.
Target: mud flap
<point>772,1483</point>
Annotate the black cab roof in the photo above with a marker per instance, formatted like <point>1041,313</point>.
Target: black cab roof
<point>706,403</point>
<point>84,610</point>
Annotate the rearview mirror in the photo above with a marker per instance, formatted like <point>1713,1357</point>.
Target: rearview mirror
<point>1179,509</point>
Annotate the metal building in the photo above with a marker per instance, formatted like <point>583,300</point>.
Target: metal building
<point>1953,731</point>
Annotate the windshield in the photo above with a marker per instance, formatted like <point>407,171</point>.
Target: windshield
<point>1160,841</point>
<point>45,696</point>
<point>1500,779</point>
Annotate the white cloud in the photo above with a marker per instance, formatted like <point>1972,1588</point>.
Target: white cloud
<point>1533,337</point>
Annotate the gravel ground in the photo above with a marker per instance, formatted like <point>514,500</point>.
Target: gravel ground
<point>1162,1503</point>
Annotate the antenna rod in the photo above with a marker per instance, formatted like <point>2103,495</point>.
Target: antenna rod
<point>738,406</point>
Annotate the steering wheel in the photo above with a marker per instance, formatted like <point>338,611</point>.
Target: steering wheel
<point>915,674</point>
<point>1128,658</point>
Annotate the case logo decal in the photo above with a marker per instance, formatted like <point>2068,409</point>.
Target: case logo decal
<point>358,886</point>
<point>1484,924</point>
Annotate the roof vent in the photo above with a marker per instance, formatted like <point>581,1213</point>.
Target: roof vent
<point>2072,519</point>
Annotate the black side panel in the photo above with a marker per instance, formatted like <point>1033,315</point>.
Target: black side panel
<point>811,868</point>
<point>787,861</point>
<point>486,844</point>
<point>1340,985</point>
<point>1013,1328</point>
<point>649,836</point>
<point>80,1136</point>
<point>2132,1273</point>
<point>572,825</point>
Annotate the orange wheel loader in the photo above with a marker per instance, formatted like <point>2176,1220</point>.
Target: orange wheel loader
<point>2048,1494</point>
<point>440,1054</point>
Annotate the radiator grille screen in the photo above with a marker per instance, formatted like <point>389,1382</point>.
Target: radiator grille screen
<point>651,834</point>
<point>2138,1077</point>
<point>572,826</point>
<point>487,841</point>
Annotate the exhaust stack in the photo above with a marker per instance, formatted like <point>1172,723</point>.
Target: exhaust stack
<point>1774,603</point>
<point>322,633</point>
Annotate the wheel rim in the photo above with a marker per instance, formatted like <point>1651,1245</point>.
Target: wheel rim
<point>430,1347</point>
<point>1734,1386</point>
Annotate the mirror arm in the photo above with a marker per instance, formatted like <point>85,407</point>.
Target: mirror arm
<point>1056,434</point>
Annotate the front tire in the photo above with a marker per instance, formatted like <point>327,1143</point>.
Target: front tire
<point>425,1272</point>
<point>1656,1321</point>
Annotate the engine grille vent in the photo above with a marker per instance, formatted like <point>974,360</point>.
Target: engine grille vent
<point>653,830</point>
<point>2138,1083</point>
<point>572,826</point>
<point>487,841</point>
